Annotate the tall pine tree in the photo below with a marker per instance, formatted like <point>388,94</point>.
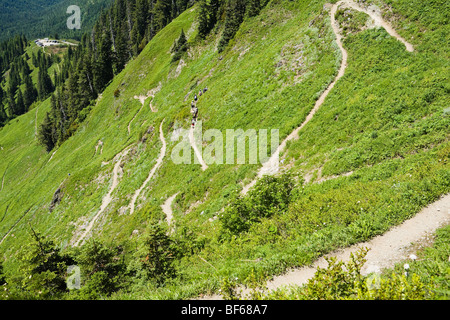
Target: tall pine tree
<point>30,93</point>
<point>20,105</point>
<point>11,103</point>
<point>235,13</point>
<point>181,46</point>
<point>253,7</point>
<point>162,13</point>
<point>103,65</point>
<point>44,84</point>
<point>207,17</point>
<point>3,116</point>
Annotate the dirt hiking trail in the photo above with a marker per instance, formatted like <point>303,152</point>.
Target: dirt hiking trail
<point>197,152</point>
<point>152,172</point>
<point>150,94</point>
<point>167,209</point>
<point>385,250</point>
<point>108,197</point>
<point>271,166</point>
<point>375,14</point>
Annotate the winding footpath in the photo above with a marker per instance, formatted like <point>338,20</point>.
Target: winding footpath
<point>167,209</point>
<point>152,172</point>
<point>389,248</point>
<point>151,93</point>
<point>108,197</point>
<point>197,152</point>
<point>271,166</point>
<point>385,250</point>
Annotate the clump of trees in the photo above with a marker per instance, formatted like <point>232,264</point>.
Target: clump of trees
<point>46,270</point>
<point>229,13</point>
<point>120,33</point>
<point>19,92</point>
<point>271,195</point>
<point>179,47</point>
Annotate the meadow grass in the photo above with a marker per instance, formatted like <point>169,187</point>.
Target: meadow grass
<point>384,121</point>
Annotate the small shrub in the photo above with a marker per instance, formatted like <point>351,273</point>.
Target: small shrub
<point>43,269</point>
<point>271,195</point>
<point>154,258</point>
<point>102,269</point>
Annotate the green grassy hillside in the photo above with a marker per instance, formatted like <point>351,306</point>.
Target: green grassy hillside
<point>383,122</point>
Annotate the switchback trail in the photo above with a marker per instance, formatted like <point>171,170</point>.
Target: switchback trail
<point>107,198</point>
<point>167,208</point>
<point>389,248</point>
<point>379,21</point>
<point>271,166</point>
<point>197,152</point>
<point>151,93</point>
<point>152,172</point>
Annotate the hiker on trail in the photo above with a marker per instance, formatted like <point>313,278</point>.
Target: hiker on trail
<point>194,113</point>
<point>206,89</point>
<point>192,104</point>
<point>195,97</point>
<point>200,93</point>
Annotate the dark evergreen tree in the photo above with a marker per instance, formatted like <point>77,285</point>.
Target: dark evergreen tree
<point>20,105</point>
<point>44,268</point>
<point>203,19</point>
<point>11,103</point>
<point>3,115</point>
<point>103,66</point>
<point>207,16</point>
<point>47,133</point>
<point>234,16</point>
<point>181,46</point>
<point>14,78</point>
<point>155,255</point>
<point>162,13</point>
<point>102,269</point>
<point>122,54</point>
<point>2,275</point>
<point>30,93</point>
<point>44,83</point>
<point>213,11</point>
<point>24,67</point>
<point>85,87</point>
<point>253,8</point>
<point>141,17</point>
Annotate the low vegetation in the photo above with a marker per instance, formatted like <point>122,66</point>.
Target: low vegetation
<point>375,153</point>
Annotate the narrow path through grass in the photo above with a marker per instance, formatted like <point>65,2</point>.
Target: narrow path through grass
<point>152,172</point>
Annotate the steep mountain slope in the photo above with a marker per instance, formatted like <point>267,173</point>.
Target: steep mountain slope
<point>381,133</point>
<point>43,18</point>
